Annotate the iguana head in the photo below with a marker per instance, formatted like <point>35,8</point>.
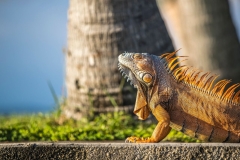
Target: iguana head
<point>139,69</point>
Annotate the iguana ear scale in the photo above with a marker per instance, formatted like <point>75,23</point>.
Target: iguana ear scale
<point>141,108</point>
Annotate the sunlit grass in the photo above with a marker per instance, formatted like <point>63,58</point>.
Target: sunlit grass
<point>47,127</point>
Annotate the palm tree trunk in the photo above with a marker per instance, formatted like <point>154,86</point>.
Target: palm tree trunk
<point>207,35</point>
<point>98,31</point>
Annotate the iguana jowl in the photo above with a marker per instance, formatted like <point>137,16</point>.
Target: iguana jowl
<point>182,98</point>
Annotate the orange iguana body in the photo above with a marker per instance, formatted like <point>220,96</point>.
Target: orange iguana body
<point>182,99</point>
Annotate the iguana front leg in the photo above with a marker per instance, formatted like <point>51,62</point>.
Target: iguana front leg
<point>161,131</point>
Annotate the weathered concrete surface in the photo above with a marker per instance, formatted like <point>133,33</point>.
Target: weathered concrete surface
<point>119,151</point>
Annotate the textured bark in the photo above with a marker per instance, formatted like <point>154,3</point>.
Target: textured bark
<point>98,31</point>
<point>207,35</point>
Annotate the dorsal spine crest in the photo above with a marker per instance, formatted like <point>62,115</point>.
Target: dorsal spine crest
<point>205,82</point>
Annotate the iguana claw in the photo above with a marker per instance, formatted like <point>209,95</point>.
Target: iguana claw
<point>138,140</point>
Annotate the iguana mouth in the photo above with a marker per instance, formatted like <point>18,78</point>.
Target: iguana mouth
<point>127,73</point>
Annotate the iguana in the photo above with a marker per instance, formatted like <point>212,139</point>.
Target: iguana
<point>182,98</point>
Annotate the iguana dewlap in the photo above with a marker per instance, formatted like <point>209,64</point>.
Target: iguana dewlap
<point>182,98</point>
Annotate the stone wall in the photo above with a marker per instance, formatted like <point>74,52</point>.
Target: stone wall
<point>74,150</point>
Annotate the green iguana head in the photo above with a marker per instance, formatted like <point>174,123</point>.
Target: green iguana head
<point>139,68</point>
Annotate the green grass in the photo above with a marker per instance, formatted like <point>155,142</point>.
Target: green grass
<point>46,127</point>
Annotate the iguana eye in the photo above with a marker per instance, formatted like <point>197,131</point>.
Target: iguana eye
<point>147,78</point>
<point>137,56</point>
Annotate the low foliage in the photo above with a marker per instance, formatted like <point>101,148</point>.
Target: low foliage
<point>46,127</point>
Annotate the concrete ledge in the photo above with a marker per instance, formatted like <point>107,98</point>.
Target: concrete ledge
<point>75,150</point>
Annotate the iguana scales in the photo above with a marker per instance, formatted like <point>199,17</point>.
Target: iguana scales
<point>182,98</point>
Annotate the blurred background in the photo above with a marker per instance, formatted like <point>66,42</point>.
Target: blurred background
<point>32,37</point>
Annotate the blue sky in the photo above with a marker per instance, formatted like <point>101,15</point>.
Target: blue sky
<point>235,11</point>
<point>32,36</point>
